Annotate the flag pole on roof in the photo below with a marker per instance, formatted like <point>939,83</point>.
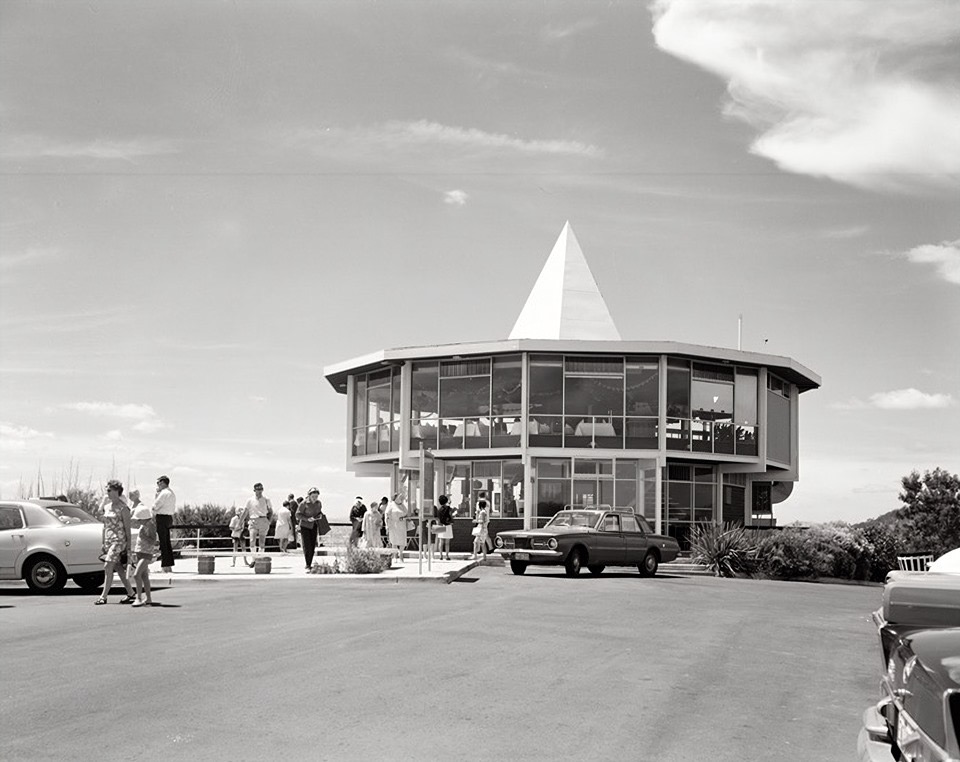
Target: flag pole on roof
<point>565,302</point>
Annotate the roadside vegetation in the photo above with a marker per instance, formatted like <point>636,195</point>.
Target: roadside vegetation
<point>928,522</point>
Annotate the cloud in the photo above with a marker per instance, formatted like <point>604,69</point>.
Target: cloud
<point>400,138</point>
<point>14,438</point>
<point>861,92</point>
<point>854,231</point>
<point>42,147</point>
<point>554,33</point>
<point>27,257</point>
<point>946,257</point>
<point>114,435</point>
<point>145,416</point>
<point>455,197</point>
<point>898,399</point>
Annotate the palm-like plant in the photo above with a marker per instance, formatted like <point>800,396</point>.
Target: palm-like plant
<point>726,549</point>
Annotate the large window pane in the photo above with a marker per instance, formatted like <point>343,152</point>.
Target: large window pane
<point>712,400</point>
<point>601,397</point>
<point>678,389</point>
<point>465,396</point>
<point>546,385</point>
<point>745,398</point>
<point>643,387</point>
<point>507,391</point>
<point>552,496</point>
<point>778,428</point>
<point>513,503</point>
<point>424,391</point>
<point>360,403</point>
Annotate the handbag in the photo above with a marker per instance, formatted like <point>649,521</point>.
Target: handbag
<point>475,531</point>
<point>323,526</point>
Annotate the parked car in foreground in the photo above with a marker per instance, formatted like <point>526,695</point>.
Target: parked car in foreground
<point>918,715</point>
<point>45,542</point>
<point>594,539</point>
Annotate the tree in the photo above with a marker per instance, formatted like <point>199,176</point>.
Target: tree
<point>931,510</point>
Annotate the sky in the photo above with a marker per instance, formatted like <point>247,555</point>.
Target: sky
<point>203,204</point>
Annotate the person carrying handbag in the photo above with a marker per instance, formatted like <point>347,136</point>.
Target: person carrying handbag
<point>309,515</point>
<point>481,521</point>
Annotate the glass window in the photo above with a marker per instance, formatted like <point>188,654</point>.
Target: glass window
<point>547,467</point>
<point>464,396</point>
<point>611,524</point>
<point>745,398</point>
<point>360,402</point>
<point>552,496</point>
<point>546,385</point>
<point>778,427</point>
<point>643,387</point>
<point>507,391</point>
<point>712,400</point>
<point>513,503</point>
<point>630,524</point>
<point>423,390</point>
<point>594,396</point>
<point>678,389</point>
<point>10,517</point>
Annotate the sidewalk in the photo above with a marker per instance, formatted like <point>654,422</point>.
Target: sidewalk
<point>290,566</point>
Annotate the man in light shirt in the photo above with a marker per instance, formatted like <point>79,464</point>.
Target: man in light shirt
<point>164,507</point>
<point>257,512</point>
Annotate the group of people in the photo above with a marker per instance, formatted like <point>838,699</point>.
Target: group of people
<point>129,558</point>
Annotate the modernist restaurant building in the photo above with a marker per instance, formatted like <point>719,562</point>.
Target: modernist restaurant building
<point>564,413</point>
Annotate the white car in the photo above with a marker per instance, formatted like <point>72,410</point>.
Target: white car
<point>948,563</point>
<point>45,542</point>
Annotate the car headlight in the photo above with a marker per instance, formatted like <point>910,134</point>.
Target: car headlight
<point>552,543</point>
<point>498,542</point>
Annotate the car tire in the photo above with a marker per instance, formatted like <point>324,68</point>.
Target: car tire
<point>45,574</point>
<point>648,567</point>
<point>92,581</point>
<point>574,562</point>
<point>518,567</point>
<point>596,569</point>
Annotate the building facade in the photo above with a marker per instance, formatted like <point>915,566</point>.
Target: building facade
<point>565,413</point>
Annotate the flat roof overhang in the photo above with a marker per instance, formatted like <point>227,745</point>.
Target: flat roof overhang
<point>786,367</point>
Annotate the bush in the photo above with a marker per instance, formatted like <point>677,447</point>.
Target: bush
<point>366,561</point>
<point>887,542</point>
<point>215,519</point>
<point>727,550</point>
<point>834,549</point>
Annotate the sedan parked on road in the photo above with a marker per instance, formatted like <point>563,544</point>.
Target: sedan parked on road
<point>918,715</point>
<point>45,542</point>
<point>595,539</point>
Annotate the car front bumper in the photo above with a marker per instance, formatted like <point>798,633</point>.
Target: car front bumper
<point>529,554</point>
<point>873,743</point>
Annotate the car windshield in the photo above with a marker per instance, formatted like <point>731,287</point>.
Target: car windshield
<point>70,514</point>
<point>573,519</point>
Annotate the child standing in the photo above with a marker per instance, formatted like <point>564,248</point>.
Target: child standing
<point>236,532</point>
<point>144,551</point>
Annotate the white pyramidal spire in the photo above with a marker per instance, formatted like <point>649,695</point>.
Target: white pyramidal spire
<point>565,302</point>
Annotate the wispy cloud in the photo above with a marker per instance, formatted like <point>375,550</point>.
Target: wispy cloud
<point>899,399</point>
<point>396,138</point>
<point>556,32</point>
<point>854,231</point>
<point>455,197</point>
<point>14,438</point>
<point>145,416</point>
<point>101,149</point>
<point>864,93</point>
<point>18,259</point>
<point>944,256</point>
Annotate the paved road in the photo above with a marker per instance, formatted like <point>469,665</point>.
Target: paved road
<point>491,667</point>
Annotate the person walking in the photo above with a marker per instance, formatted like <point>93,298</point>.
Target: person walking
<point>164,506</point>
<point>283,530</point>
<point>257,513</point>
<point>236,535</point>
<point>371,528</point>
<point>481,521</point>
<point>396,519</point>
<point>144,551</point>
<point>445,514</point>
<point>308,515</point>
<point>356,521</point>
<point>116,542</point>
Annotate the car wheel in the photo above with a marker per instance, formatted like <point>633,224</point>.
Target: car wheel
<point>45,575</point>
<point>518,567</point>
<point>650,565</point>
<point>92,581</point>
<point>596,569</point>
<point>574,562</point>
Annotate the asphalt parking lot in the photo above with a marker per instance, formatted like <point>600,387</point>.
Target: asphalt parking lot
<point>490,667</point>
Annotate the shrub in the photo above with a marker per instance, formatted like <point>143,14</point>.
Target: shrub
<point>365,561</point>
<point>833,549</point>
<point>215,519</point>
<point>886,542</point>
<point>727,550</point>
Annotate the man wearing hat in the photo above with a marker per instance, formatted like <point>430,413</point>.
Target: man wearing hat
<point>164,506</point>
<point>257,512</point>
<point>356,520</point>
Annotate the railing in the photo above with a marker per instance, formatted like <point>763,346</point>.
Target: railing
<point>915,562</point>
